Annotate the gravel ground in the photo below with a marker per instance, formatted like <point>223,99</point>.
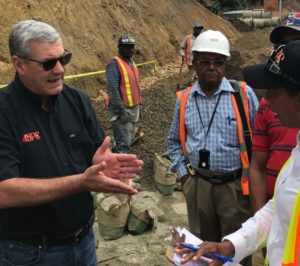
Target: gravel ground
<point>158,104</point>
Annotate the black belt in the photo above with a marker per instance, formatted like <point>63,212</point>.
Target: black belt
<point>220,178</point>
<point>71,238</point>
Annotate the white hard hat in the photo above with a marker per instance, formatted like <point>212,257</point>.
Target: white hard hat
<point>212,41</point>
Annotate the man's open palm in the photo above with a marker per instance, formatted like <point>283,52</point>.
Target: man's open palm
<point>118,165</point>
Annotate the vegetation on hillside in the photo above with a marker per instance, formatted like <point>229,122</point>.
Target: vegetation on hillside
<point>219,6</point>
<point>227,5</point>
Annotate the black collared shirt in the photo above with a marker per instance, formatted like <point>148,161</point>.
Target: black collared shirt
<point>39,144</point>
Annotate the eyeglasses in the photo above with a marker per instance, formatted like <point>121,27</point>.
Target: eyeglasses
<point>273,62</point>
<point>51,63</point>
<point>207,63</point>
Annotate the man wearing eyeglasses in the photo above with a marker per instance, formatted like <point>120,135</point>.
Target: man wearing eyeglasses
<point>52,153</point>
<point>212,148</point>
<point>277,224</point>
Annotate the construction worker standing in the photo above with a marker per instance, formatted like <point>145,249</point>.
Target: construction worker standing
<point>124,94</point>
<point>206,143</point>
<point>277,224</point>
<point>186,50</point>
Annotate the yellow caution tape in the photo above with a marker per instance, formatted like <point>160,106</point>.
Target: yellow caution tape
<point>149,62</point>
<point>85,74</point>
<point>153,62</point>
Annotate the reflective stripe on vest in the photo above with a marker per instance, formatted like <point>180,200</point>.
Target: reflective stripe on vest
<point>292,242</point>
<point>183,95</point>
<point>243,148</point>
<point>129,85</point>
<point>188,49</point>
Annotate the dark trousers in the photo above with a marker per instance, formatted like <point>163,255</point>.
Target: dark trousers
<point>77,254</point>
<point>215,210</point>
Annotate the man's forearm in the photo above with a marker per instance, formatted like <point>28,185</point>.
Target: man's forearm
<point>26,192</point>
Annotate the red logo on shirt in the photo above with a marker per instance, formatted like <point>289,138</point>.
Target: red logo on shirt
<point>32,136</point>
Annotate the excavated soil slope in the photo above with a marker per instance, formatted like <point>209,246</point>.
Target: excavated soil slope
<point>90,29</point>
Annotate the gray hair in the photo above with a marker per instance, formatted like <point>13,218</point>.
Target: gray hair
<point>28,31</point>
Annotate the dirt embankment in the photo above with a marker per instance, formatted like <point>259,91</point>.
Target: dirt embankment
<point>90,29</point>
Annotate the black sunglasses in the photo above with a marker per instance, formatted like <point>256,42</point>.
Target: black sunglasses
<point>51,63</point>
<point>273,62</point>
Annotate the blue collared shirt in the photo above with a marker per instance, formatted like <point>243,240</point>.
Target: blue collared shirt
<point>222,139</point>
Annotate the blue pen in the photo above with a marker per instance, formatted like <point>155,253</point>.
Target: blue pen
<point>229,120</point>
<point>216,255</point>
<point>190,247</point>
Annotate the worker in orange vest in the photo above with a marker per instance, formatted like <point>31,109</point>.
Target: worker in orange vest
<point>277,224</point>
<point>124,93</point>
<point>215,151</point>
<point>186,50</point>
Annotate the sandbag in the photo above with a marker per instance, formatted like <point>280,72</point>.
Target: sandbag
<point>165,180</point>
<point>144,212</point>
<point>112,213</point>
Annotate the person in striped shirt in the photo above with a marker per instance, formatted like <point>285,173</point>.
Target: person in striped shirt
<point>272,142</point>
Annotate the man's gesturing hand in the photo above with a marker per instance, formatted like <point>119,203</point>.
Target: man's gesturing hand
<point>118,165</point>
<point>96,180</point>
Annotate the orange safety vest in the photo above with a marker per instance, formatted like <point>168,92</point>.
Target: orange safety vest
<point>183,97</point>
<point>188,49</point>
<point>129,84</point>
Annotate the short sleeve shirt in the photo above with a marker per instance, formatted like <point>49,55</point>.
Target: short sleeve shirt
<point>39,144</point>
<point>270,136</point>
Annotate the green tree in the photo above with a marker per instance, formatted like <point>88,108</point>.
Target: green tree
<point>228,5</point>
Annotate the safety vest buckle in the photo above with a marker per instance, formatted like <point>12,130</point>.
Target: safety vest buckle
<point>190,169</point>
<point>246,133</point>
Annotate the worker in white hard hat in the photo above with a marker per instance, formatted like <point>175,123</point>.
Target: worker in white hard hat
<point>207,144</point>
<point>186,50</point>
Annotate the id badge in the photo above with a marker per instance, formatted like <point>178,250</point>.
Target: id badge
<point>204,155</point>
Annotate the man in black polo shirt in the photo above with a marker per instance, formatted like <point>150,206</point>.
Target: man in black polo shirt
<point>52,154</point>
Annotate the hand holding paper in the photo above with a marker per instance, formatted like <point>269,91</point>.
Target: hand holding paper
<point>192,243</point>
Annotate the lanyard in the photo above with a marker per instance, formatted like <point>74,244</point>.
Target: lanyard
<point>211,119</point>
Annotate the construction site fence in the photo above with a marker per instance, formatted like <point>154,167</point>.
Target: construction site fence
<point>153,63</point>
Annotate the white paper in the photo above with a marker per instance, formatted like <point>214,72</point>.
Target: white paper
<point>192,239</point>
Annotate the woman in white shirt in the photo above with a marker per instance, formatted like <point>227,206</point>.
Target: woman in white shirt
<point>277,224</point>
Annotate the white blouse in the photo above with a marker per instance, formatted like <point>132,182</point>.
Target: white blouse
<point>270,224</point>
